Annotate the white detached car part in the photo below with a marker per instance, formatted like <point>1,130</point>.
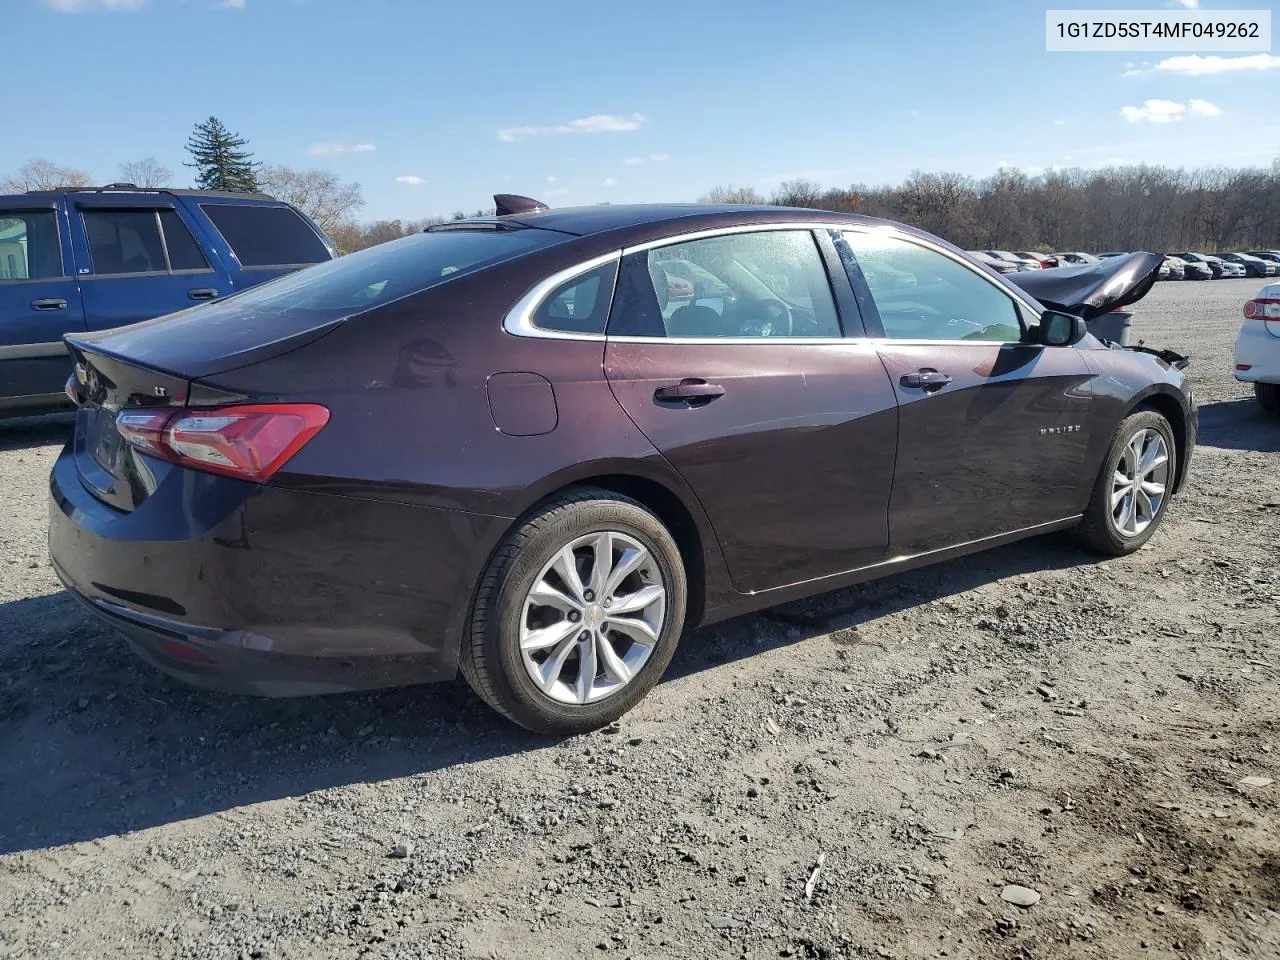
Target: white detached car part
<point>1258,346</point>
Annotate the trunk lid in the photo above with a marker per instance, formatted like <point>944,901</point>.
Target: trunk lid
<point>1091,290</point>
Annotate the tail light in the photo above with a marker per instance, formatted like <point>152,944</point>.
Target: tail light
<point>249,442</point>
<point>1262,308</point>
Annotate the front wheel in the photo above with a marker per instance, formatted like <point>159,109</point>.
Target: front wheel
<point>578,614</point>
<point>1268,395</point>
<point>1132,491</point>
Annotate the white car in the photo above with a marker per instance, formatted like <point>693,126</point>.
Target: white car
<point>1258,347</point>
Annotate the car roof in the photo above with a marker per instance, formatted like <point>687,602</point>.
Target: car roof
<point>605,218</point>
<point>114,190</point>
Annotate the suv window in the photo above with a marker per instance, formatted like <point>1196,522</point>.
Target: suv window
<point>923,295</point>
<point>124,241</point>
<point>29,245</point>
<point>262,236</point>
<point>184,252</point>
<point>768,284</point>
<point>581,305</point>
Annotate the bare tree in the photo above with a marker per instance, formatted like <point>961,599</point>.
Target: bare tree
<point>43,175</point>
<point>318,193</point>
<point>731,194</point>
<point>145,173</point>
<point>798,193</point>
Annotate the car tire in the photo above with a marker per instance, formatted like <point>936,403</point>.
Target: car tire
<point>1268,395</point>
<point>1101,530</point>
<point>492,659</point>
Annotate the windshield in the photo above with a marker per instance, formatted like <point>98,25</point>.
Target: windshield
<point>387,272</point>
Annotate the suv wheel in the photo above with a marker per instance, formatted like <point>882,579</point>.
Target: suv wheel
<point>577,615</point>
<point>1268,395</point>
<point>1132,491</point>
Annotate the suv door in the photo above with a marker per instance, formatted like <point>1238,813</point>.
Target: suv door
<point>727,352</point>
<point>39,302</point>
<point>993,428</point>
<point>137,258</point>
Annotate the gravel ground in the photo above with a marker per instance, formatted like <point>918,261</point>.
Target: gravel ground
<point>873,773</point>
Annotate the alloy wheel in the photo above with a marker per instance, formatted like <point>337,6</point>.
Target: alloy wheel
<point>592,617</point>
<point>1139,483</point>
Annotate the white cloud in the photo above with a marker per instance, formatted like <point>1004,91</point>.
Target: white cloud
<point>608,182</point>
<point>599,123</point>
<point>1186,4</point>
<point>335,149</point>
<point>1059,123</point>
<point>659,157</point>
<point>233,4</point>
<point>80,6</point>
<point>1194,65</point>
<point>551,179</point>
<point>633,161</point>
<point>1169,111</point>
<point>410,180</point>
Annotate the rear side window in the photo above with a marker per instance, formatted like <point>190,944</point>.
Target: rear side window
<point>184,252</point>
<point>389,271</point>
<point>29,245</point>
<point>266,236</point>
<point>581,305</point>
<point>124,241</point>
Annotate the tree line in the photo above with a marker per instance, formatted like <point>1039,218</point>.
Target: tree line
<point>1113,208</point>
<point>1138,207</point>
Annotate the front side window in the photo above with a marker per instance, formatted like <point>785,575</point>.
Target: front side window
<point>921,294</point>
<point>29,245</point>
<point>771,284</point>
<point>124,241</point>
<point>262,236</point>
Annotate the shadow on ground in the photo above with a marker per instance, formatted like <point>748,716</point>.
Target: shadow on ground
<point>1239,425</point>
<point>95,743</point>
<point>22,433</point>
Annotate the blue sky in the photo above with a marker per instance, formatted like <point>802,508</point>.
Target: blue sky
<point>435,106</point>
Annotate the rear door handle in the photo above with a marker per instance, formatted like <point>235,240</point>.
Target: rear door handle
<point>692,391</point>
<point>202,293</point>
<point>925,379</point>
<point>52,303</point>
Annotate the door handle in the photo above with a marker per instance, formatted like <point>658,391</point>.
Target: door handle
<point>202,293</point>
<point>925,379</point>
<point>692,391</point>
<point>52,303</point>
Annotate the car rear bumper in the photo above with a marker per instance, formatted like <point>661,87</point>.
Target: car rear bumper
<point>1259,350</point>
<point>270,591</point>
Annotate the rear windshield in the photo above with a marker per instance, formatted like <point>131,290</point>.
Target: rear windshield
<point>389,271</point>
<point>262,236</point>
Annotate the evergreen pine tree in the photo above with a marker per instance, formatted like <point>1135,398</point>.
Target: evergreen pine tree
<point>219,159</point>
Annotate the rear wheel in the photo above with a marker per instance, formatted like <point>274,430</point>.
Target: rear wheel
<point>1268,395</point>
<point>1132,491</point>
<point>577,615</point>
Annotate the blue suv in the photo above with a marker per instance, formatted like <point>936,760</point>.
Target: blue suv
<point>87,259</point>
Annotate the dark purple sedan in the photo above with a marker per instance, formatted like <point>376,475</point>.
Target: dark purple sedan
<point>540,447</point>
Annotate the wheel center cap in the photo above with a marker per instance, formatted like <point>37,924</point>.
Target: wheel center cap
<point>595,613</point>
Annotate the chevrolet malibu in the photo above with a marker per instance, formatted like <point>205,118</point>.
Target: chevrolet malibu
<point>538,447</point>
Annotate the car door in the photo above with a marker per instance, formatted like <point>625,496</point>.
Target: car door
<point>137,258</point>
<point>39,301</point>
<point>733,363</point>
<point>993,429</point>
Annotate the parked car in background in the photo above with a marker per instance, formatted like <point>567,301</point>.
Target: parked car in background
<point>1230,271</point>
<point>1173,269</point>
<point>1258,347</point>
<point>416,459</point>
<point>1253,266</point>
<point>1022,262</point>
<point>996,264</point>
<point>1111,253</point>
<point>78,260</point>
<point>1031,255</point>
<point>1271,256</point>
<point>1073,259</point>
<point>1198,267</point>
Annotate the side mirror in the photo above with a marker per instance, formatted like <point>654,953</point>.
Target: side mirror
<point>1061,329</point>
